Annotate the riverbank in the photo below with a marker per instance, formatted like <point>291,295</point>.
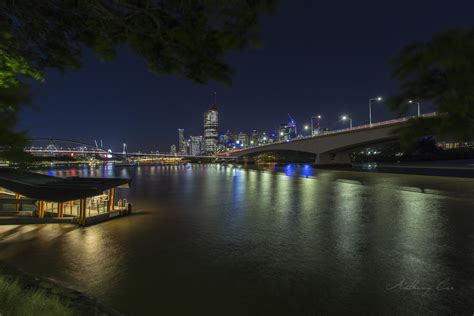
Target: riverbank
<point>458,168</point>
<point>24,294</point>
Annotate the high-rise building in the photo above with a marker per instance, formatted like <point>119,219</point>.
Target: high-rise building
<point>273,137</point>
<point>254,138</point>
<point>173,149</point>
<point>222,139</point>
<point>292,132</point>
<point>181,141</point>
<point>283,132</point>
<point>195,145</point>
<point>211,134</point>
<point>241,140</point>
<point>227,139</point>
<point>263,139</point>
<point>287,131</point>
<point>188,146</point>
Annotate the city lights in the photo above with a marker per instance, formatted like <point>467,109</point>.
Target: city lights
<point>285,132</point>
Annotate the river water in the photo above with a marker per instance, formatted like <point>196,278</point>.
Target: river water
<point>221,240</point>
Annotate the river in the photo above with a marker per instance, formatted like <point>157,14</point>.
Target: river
<point>222,240</point>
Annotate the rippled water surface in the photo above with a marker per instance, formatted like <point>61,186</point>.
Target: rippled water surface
<point>211,239</point>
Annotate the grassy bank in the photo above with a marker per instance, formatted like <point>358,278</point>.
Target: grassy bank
<point>16,300</point>
<point>25,294</point>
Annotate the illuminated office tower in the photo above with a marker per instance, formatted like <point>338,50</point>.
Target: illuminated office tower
<point>181,141</point>
<point>242,139</point>
<point>254,138</point>
<point>283,132</point>
<point>211,134</point>
<point>195,145</point>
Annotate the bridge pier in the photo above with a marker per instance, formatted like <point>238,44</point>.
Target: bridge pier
<point>330,159</point>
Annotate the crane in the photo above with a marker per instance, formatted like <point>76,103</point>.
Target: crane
<point>291,119</point>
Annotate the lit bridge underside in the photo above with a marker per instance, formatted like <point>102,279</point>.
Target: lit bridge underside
<point>332,147</point>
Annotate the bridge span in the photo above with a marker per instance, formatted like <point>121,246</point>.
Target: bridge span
<point>332,147</point>
<point>85,149</point>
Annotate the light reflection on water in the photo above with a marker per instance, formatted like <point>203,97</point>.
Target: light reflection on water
<point>235,241</point>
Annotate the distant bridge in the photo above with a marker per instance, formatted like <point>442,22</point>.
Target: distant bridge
<point>332,147</point>
<point>89,149</point>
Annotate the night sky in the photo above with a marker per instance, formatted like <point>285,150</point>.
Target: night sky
<point>318,58</point>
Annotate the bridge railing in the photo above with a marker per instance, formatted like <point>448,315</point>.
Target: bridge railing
<point>389,122</point>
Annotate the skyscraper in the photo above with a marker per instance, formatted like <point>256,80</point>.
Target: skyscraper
<point>181,142</point>
<point>242,139</point>
<point>283,132</point>
<point>211,134</point>
<point>196,145</point>
<point>254,138</point>
<point>292,132</point>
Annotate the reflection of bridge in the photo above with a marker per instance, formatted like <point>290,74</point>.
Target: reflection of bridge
<point>332,147</point>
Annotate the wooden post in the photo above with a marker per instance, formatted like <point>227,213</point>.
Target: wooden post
<point>60,209</point>
<point>18,205</point>
<point>41,207</point>
<point>82,212</point>
<point>112,199</point>
<point>109,200</point>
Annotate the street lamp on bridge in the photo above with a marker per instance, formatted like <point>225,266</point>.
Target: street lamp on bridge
<point>418,105</point>
<point>378,99</point>
<point>306,127</point>
<point>318,117</point>
<point>345,118</point>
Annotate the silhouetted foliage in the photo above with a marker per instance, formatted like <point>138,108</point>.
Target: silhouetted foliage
<point>186,37</point>
<point>441,72</point>
<point>11,141</point>
<point>423,149</point>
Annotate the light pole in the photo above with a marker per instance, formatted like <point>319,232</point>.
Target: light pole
<point>345,117</point>
<point>318,117</point>
<point>370,108</point>
<point>306,128</point>
<point>418,105</point>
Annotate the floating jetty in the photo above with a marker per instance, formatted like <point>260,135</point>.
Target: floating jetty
<point>33,198</point>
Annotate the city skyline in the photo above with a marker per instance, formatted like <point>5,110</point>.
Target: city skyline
<point>305,75</point>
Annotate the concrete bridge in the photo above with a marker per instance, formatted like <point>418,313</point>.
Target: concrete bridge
<point>332,147</point>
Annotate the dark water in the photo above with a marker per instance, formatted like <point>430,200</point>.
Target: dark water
<point>219,240</point>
